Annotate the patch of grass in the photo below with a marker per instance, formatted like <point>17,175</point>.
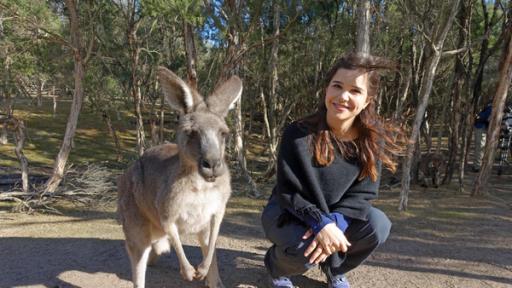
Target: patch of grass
<point>246,203</point>
<point>92,142</point>
<point>448,215</point>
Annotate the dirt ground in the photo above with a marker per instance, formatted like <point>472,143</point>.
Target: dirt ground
<point>443,240</point>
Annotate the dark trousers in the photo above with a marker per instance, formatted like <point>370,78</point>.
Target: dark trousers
<point>286,256</point>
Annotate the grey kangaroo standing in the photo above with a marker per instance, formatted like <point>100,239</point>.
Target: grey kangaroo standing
<point>177,189</point>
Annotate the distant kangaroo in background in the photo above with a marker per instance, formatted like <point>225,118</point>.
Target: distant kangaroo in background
<point>183,188</point>
<point>432,166</point>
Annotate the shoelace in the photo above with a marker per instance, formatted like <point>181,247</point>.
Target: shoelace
<point>282,281</point>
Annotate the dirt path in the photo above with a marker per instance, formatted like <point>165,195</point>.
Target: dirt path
<point>444,240</point>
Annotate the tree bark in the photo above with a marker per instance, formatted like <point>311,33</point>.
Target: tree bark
<point>54,98</point>
<point>456,114</point>
<point>363,27</point>
<point>272,111</point>
<point>481,184</point>
<point>133,44</point>
<point>20,143</point>
<point>76,105</point>
<point>484,55</point>
<point>7,99</point>
<point>230,67</point>
<point>424,93</point>
<point>113,133</point>
<point>3,135</point>
<point>400,99</point>
<point>442,127</point>
<point>162,119</point>
<point>190,48</point>
<point>40,88</point>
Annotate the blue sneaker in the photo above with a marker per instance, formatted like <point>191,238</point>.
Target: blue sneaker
<point>338,281</point>
<point>281,282</point>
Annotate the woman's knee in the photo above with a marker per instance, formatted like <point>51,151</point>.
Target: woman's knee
<point>380,224</point>
<point>288,260</point>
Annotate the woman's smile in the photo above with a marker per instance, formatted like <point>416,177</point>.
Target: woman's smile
<point>341,107</point>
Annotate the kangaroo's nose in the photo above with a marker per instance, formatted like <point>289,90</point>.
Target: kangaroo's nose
<point>210,163</point>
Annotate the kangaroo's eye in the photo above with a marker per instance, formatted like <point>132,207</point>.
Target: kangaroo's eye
<point>224,134</point>
<point>192,133</point>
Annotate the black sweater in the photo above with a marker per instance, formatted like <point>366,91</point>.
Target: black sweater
<point>304,188</point>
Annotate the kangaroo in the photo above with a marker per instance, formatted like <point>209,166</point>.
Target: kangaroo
<point>182,188</point>
<point>432,166</point>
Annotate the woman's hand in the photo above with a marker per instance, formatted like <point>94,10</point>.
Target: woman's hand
<point>328,241</point>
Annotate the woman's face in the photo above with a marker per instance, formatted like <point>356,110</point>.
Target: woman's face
<point>345,97</point>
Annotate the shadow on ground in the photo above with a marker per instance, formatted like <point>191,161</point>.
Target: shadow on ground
<point>43,261</point>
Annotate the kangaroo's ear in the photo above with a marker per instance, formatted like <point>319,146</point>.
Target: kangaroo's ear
<point>224,97</point>
<point>178,94</point>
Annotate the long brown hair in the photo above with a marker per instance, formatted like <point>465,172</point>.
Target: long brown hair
<point>378,140</point>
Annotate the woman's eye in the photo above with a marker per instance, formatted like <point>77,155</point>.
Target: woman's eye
<point>355,91</point>
<point>337,86</point>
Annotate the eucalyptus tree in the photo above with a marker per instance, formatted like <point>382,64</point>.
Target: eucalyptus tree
<point>436,40</point>
<point>133,18</point>
<point>81,54</point>
<point>498,104</point>
<point>459,80</point>
<point>363,27</point>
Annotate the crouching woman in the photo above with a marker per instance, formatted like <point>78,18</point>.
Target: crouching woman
<point>329,169</point>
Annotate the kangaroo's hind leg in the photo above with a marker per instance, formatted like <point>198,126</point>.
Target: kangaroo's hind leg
<point>138,245</point>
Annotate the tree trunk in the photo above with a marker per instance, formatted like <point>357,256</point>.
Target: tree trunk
<point>426,131</point>
<point>153,128</point>
<point>20,143</point>
<point>3,135</point>
<point>7,103</point>
<point>76,105</point>
<point>112,132</point>
<point>136,81</point>
<point>162,119</point>
<point>190,48</point>
<point>426,88</point>
<point>456,114</point>
<point>231,66</point>
<point>363,27</point>
<point>54,106</point>
<point>272,96</point>
<point>442,126</point>
<point>498,105</point>
<point>40,89</point>
<point>400,99</point>
<point>484,56</point>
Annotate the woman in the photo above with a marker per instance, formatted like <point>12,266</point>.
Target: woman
<point>329,168</point>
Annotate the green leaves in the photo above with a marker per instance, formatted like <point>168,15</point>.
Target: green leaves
<point>190,10</point>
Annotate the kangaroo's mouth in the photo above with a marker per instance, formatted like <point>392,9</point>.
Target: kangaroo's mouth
<point>210,178</point>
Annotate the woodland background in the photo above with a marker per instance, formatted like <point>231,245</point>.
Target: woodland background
<point>78,87</point>
<point>79,102</point>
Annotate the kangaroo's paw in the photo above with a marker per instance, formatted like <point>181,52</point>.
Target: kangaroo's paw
<point>201,271</point>
<point>188,272</point>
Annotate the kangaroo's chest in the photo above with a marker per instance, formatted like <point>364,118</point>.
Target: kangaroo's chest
<point>193,208</point>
